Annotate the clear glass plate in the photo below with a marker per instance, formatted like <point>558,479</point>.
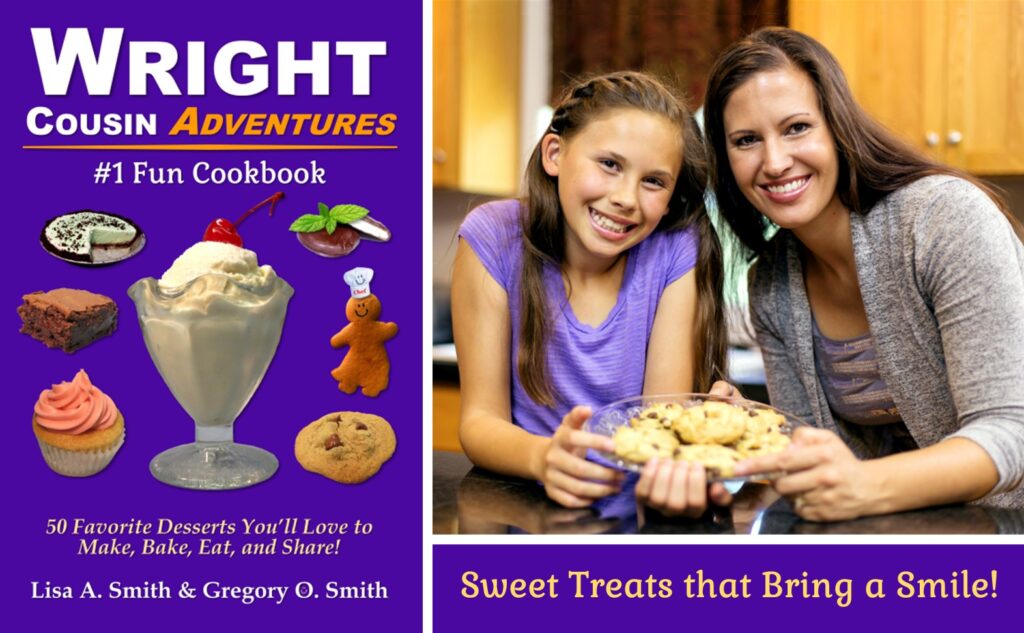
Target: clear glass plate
<point>610,417</point>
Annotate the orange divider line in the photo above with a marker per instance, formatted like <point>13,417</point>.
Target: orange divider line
<point>209,147</point>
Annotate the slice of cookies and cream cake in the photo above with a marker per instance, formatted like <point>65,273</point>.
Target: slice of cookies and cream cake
<point>92,237</point>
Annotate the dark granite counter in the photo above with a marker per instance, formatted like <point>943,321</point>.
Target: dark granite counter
<point>469,500</point>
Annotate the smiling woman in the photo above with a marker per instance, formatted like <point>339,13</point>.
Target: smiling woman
<point>781,151</point>
<point>889,308</point>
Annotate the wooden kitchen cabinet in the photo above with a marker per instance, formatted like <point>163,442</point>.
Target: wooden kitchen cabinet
<point>445,94</point>
<point>476,70</point>
<point>948,75</point>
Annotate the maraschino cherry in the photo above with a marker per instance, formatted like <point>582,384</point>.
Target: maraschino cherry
<point>224,230</point>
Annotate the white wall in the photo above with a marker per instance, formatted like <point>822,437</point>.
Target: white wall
<point>535,77</point>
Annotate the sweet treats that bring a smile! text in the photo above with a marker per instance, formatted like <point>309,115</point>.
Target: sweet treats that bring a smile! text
<point>67,318</point>
<point>714,434</point>
<point>78,428</point>
<point>92,237</point>
<point>347,446</point>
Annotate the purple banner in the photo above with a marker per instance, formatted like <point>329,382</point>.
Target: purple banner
<point>338,82</point>
<point>766,587</point>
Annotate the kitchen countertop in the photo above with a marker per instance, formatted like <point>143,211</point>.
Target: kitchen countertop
<point>470,500</point>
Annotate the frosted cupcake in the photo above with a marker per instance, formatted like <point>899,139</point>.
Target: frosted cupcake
<point>78,427</point>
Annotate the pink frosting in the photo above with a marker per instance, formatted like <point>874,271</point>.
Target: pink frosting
<point>75,407</point>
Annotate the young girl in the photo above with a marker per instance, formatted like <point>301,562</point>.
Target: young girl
<point>602,283</point>
<point>889,307</point>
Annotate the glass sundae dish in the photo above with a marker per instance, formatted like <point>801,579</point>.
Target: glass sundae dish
<point>211,324</point>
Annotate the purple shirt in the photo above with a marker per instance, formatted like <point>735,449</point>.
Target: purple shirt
<point>587,365</point>
<point>848,370</point>
<point>854,388</point>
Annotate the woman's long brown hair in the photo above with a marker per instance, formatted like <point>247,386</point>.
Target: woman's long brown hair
<point>543,224</point>
<point>873,161</point>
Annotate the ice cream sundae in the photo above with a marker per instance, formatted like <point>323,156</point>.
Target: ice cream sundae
<point>211,324</point>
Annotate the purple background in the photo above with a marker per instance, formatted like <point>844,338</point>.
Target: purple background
<point>297,388</point>
<point>860,563</point>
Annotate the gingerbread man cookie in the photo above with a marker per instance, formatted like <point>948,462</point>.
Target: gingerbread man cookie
<point>366,364</point>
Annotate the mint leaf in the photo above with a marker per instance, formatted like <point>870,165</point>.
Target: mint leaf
<point>348,213</point>
<point>325,211</point>
<point>308,223</point>
<point>331,225</point>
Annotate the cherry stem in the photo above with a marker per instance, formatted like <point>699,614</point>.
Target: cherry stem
<point>272,200</point>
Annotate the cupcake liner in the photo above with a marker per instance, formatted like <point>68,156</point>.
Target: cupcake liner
<point>79,463</point>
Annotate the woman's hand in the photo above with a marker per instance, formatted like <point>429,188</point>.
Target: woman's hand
<point>678,488</point>
<point>567,476</point>
<point>725,390</point>
<point>824,481</point>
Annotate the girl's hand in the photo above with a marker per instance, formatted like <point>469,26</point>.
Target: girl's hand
<point>678,488</point>
<point>567,476</point>
<point>725,390</point>
<point>824,481</point>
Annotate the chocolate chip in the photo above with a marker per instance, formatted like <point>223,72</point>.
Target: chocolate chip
<point>333,441</point>
<point>360,426</point>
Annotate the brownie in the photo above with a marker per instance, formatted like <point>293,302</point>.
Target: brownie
<point>67,318</point>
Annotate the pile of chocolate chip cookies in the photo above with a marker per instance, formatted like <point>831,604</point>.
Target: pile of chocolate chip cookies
<point>715,434</point>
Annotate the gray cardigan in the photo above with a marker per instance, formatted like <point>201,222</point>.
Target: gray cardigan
<point>942,277</point>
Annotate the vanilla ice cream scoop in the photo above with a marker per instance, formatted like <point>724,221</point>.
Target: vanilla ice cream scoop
<point>217,257</point>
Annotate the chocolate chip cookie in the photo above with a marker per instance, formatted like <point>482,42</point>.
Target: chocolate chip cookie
<point>659,415</point>
<point>711,423</point>
<point>640,444</point>
<point>713,433</point>
<point>720,460</point>
<point>347,446</point>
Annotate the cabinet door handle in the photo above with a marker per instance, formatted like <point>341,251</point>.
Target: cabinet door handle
<point>931,139</point>
<point>954,137</point>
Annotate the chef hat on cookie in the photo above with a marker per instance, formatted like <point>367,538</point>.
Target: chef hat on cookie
<point>358,279</point>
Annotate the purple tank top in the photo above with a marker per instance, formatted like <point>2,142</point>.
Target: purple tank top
<point>587,365</point>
